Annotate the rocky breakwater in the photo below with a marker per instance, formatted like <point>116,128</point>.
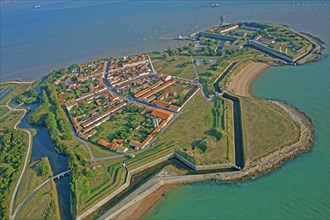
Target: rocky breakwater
<point>276,158</point>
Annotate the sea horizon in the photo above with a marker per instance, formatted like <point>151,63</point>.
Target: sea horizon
<point>61,33</point>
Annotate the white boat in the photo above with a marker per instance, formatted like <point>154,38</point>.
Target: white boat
<point>36,6</point>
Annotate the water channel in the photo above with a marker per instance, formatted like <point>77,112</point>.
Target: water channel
<point>42,146</point>
<point>238,133</point>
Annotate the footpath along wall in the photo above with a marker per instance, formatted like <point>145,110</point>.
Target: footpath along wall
<point>156,185</point>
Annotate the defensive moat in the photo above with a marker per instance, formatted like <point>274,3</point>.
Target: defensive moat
<point>132,124</point>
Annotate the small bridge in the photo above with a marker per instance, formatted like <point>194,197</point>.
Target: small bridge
<point>58,176</point>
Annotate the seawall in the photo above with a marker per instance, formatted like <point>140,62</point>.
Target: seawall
<point>258,167</point>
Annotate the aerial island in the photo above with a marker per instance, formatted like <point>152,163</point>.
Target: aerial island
<point>132,126</point>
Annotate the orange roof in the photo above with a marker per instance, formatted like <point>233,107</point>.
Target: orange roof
<point>136,105</point>
<point>137,95</point>
<point>74,120</point>
<point>84,136</point>
<point>114,146</point>
<point>103,143</point>
<point>162,103</point>
<point>92,132</point>
<point>164,76</point>
<point>159,113</point>
<point>159,88</point>
<point>119,141</point>
<point>135,143</point>
<point>107,144</point>
<point>150,136</point>
<point>174,107</point>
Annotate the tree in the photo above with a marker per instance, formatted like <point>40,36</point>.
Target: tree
<point>44,170</point>
<point>175,52</point>
<point>73,67</point>
<point>191,50</point>
<point>166,55</point>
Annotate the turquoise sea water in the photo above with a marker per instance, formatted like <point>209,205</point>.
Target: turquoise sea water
<point>33,42</point>
<point>300,188</point>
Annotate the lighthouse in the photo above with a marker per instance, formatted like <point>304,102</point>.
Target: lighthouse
<point>280,47</point>
<point>286,49</point>
<point>222,20</point>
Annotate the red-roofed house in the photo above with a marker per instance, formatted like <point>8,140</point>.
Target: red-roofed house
<point>159,113</point>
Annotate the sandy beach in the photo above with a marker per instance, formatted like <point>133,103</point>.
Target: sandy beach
<point>241,83</point>
<point>140,208</point>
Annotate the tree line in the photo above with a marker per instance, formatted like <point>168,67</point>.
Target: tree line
<point>13,145</point>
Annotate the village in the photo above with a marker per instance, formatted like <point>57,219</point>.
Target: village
<point>96,92</point>
<point>102,90</point>
<point>185,112</point>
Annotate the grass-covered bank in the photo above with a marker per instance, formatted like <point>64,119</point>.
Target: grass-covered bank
<point>266,127</point>
<point>43,204</point>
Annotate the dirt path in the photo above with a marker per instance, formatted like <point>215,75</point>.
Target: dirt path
<point>241,82</point>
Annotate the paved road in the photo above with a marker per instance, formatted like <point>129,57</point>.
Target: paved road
<point>197,77</point>
<point>114,92</point>
<point>10,109</point>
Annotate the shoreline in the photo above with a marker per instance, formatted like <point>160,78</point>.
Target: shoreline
<point>242,86</point>
<point>313,57</point>
<point>142,207</point>
<point>261,165</point>
<point>138,209</point>
<point>256,168</point>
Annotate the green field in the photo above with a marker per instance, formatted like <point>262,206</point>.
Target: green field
<point>15,90</point>
<point>266,127</point>
<point>93,185</point>
<point>195,133</point>
<point>176,65</point>
<point>3,110</point>
<point>122,126</point>
<point>9,120</point>
<point>43,204</point>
